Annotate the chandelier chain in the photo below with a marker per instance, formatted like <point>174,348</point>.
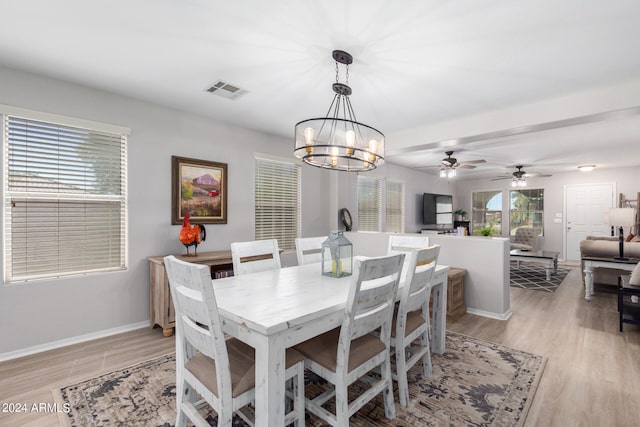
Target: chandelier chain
<point>346,73</point>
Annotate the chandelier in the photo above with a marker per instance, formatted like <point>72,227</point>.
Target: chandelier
<point>338,141</point>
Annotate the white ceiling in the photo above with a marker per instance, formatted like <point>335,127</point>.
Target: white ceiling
<point>416,64</point>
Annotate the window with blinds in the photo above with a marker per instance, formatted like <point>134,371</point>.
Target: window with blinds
<point>369,203</point>
<point>65,200</point>
<point>277,201</point>
<point>395,207</point>
<point>526,209</point>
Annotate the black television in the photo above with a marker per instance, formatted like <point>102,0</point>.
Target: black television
<point>437,210</point>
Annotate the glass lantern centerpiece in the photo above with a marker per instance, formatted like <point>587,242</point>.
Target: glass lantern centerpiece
<point>337,255</point>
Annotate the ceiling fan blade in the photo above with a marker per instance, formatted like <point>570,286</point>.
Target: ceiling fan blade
<point>539,175</point>
<point>473,162</point>
<point>499,179</point>
<point>466,166</point>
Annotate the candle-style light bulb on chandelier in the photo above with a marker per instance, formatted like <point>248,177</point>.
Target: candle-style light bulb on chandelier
<point>338,141</point>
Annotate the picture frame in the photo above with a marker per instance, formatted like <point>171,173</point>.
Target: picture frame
<point>199,188</point>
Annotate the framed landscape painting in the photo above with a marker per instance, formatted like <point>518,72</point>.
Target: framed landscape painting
<point>199,188</point>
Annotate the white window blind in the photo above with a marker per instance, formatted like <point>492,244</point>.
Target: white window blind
<point>369,203</point>
<point>395,207</point>
<point>526,209</point>
<point>65,200</point>
<point>277,201</point>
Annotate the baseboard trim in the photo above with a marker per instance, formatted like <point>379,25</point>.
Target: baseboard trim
<point>504,316</point>
<point>70,341</point>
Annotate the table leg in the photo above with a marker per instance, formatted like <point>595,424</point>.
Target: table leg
<point>439,316</point>
<point>588,282</point>
<point>547,269</point>
<point>555,265</point>
<point>270,387</point>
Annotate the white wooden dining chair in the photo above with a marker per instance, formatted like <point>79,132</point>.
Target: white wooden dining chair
<point>411,318</point>
<point>220,372</point>
<point>345,354</point>
<point>399,241</point>
<point>309,249</point>
<point>254,256</point>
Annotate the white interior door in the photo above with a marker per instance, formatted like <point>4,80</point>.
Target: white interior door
<point>585,206</point>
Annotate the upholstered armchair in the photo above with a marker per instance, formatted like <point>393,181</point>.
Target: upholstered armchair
<point>527,238</point>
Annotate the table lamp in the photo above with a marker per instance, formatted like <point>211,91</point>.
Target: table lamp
<point>622,217</point>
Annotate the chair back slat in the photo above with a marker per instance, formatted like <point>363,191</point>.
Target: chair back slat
<point>254,256</point>
<point>309,249</point>
<point>371,298</point>
<point>198,325</point>
<point>419,283</point>
<point>400,242</point>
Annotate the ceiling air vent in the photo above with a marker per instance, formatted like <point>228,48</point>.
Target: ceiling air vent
<point>226,90</point>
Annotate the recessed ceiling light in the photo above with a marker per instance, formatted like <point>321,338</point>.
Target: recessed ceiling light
<point>586,168</point>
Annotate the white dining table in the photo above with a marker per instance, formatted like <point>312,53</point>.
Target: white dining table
<point>274,310</point>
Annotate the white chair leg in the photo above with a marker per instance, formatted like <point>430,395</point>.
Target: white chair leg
<point>187,394</point>
<point>389,406</point>
<point>427,368</point>
<point>181,419</point>
<point>342,404</point>
<point>401,374</point>
<point>225,417</point>
<point>298,387</point>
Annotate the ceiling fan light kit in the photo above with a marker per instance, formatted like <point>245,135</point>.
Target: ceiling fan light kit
<point>449,165</point>
<point>519,182</point>
<point>338,141</point>
<point>519,178</point>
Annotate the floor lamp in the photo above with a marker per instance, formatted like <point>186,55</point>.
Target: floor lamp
<point>622,217</point>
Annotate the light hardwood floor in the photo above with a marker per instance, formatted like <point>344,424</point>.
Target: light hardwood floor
<point>592,376</point>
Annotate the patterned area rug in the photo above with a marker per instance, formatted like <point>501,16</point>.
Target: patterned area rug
<point>475,383</point>
<point>533,275</point>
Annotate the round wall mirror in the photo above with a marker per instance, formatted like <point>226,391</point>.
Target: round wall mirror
<point>345,216</point>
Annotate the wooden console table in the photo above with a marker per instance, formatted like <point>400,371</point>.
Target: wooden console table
<point>161,308</point>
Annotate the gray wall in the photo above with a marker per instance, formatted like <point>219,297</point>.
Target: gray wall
<point>415,184</point>
<point>485,260</point>
<point>627,181</point>
<point>48,311</point>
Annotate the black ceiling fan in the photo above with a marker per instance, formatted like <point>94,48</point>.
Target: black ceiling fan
<point>520,174</point>
<point>452,162</point>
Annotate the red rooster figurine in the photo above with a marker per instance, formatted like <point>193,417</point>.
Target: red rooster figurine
<point>192,235</point>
